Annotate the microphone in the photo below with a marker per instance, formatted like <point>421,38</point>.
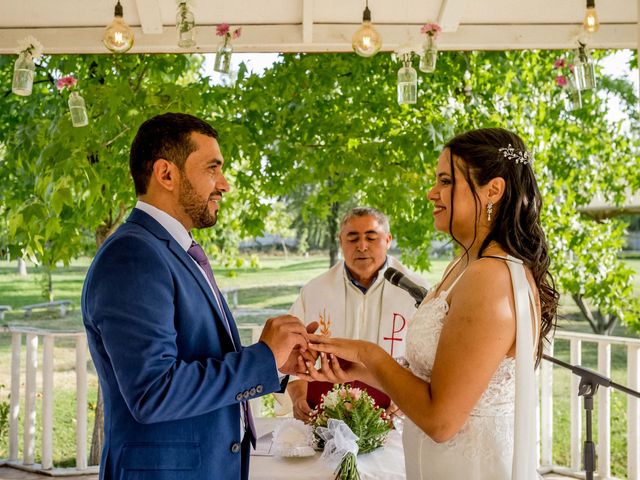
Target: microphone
<point>400,280</point>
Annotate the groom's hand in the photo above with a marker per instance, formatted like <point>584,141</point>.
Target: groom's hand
<point>293,363</point>
<point>283,335</point>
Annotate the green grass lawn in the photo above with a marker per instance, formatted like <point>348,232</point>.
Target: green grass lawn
<point>274,285</point>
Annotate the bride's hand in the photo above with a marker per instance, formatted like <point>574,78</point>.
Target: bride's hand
<point>351,350</point>
<point>332,370</point>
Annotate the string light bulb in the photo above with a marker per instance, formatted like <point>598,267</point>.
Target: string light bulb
<point>591,23</point>
<point>118,37</point>
<point>366,41</point>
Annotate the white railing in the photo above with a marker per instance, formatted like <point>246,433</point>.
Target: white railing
<point>576,340</point>
<point>32,337</point>
<point>603,451</point>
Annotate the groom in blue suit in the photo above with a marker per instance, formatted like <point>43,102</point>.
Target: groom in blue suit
<point>175,379</point>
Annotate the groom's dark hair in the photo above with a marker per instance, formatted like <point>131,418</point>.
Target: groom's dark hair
<point>165,136</point>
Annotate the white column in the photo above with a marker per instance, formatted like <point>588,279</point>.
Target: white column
<point>546,410</point>
<point>576,408</point>
<point>14,409</point>
<point>633,412</point>
<point>604,413</point>
<point>29,440</point>
<point>81,402</point>
<point>47,403</point>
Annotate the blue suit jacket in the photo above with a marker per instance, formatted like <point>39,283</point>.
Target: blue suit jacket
<point>171,379</point>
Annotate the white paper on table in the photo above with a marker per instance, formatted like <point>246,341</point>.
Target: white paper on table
<point>264,446</point>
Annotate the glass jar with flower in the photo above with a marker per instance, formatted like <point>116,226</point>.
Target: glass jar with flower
<point>566,81</point>
<point>185,25</point>
<point>29,49</point>
<point>77,107</point>
<point>222,61</point>
<point>429,55</point>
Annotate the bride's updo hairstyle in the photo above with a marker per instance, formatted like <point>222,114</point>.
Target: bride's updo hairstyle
<point>487,153</point>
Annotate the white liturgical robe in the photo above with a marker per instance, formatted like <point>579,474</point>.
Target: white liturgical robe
<point>380,315</point>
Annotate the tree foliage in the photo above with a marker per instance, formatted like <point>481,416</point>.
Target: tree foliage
<point>321,133</point>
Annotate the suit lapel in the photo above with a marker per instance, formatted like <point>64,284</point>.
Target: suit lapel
<point>149,223</point>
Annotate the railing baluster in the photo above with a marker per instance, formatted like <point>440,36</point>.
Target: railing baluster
<point>633,413</point>
<point>14,409</point>
<point>546,411</point>
<point>576,408</point>
<point>604,412</point>
<point>81,402</point>
<point>47,403</point>
<point>29,433</point>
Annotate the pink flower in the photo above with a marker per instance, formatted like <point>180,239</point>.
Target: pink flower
<point>431,29</point>
<point>559,63</point>
<point>561,81</point>
<point>348,406</point>
<point>222,29</point>
<point>236,33</point>
<point>66,82</point>
<point>355,394</point>
<point>571,67</point>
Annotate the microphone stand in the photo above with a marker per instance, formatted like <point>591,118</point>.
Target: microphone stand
<point>589,383</point>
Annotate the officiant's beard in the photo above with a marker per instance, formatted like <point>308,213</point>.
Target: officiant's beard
<point>196,207</point>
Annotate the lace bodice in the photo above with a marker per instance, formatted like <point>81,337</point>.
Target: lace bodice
<point>422,341</point>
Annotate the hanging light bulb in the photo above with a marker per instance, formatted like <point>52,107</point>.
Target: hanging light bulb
<point>366,42</point>
<point>591,23</point>
<point>118,37</point>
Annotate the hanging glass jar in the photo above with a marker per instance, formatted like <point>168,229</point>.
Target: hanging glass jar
<point>78,110</point>
<point>23,72</point>
<point>583,69</point>
<point>186,26</point>
<point>572,97</point>
<point>407,82</point>
<point>429,55</point>
<point>222,62</point>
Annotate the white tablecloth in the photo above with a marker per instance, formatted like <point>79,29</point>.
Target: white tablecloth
<point>386,463</point>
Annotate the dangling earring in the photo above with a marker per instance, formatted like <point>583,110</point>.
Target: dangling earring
<point>489,210</point>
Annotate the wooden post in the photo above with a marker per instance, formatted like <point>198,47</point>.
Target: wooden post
<point>14,409</point>
<point>81,405</point>
<point>576,408</point>
<point>546,411</point>
<point>604,413</point>
<point>29,440</point>
<point>633,413</point>
<point>47,403</point>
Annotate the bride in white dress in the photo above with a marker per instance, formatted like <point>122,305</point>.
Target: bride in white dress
<point>473,344</point>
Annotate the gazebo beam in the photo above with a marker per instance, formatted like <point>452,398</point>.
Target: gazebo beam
<point>307,21</point>
<point>330,38</point>
<point>451,12</point>
<point>150,16</point>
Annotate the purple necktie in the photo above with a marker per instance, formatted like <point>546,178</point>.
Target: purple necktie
<point>197,253</point>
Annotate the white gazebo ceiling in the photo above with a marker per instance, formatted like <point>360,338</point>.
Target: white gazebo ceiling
<point>76,26</point>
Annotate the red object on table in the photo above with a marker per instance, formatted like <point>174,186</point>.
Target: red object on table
<point>317,389</point>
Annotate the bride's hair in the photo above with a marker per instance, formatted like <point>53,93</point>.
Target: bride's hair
<point>516,217</point>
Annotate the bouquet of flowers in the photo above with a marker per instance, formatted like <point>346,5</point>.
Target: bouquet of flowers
<point>349,416</point>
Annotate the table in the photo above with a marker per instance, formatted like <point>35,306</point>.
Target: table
<point>386,463</point>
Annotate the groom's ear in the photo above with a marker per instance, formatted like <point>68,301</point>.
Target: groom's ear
<point>312,327</point>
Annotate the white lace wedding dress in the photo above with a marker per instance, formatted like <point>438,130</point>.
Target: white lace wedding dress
<point>484,448</point>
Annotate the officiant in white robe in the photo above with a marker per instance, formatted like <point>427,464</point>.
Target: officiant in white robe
<point>353,300</point>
